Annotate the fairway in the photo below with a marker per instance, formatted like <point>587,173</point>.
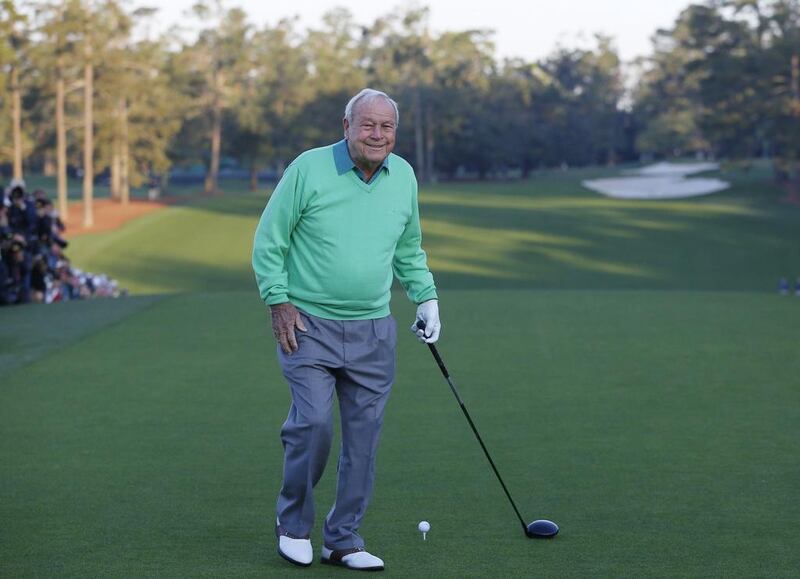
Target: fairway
<point>629,364</point>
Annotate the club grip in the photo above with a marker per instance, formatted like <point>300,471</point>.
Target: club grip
<point>421,325</point>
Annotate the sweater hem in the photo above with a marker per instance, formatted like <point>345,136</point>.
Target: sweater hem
<point>330,312</point>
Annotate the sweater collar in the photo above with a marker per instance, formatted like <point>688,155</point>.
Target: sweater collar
<point>344,163</point>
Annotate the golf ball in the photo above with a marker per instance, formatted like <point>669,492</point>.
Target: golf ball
<point>424,526</point>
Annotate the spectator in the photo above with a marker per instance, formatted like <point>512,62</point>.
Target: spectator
<point>48,226</point>
<point>17,266</point>
<point>33,267</point>
<point>22,213</point>
<point>5,240</point>
<point>38,279</point>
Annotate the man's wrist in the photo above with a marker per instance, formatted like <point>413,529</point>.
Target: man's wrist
<point>279,305</point>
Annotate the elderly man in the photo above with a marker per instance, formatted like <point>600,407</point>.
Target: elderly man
<point>342,220</point>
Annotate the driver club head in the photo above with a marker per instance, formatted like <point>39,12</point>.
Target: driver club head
<point>542,529</point>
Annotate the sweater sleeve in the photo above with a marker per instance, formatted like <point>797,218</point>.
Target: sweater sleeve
<point>410,262</point>
<point>271,242</point>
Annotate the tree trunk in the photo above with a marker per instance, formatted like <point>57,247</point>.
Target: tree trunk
<point>793,184</point>
<point>88,138</point>
<point>419,145</point>
<point>16,99</point>
<point>124,154</point>
<point>429,144</point>
<point>212,179</point>
<point>611,157</point>
<point>163,182</point>
<point>115,155</point>
<point>48,163</point>
<point>253,177</point>
<point>61,145</point>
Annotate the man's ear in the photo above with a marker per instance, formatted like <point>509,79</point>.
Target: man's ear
<point>346,126</point>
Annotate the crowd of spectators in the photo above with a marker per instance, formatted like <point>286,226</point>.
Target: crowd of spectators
<point>33,266</point>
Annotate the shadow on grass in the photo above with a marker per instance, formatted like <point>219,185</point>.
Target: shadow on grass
<point>29,332</point>
<point>547,232</point>
<point>550,232</point>
<point>245,203</point>
<point>172,275</point>
<point>577,239</point>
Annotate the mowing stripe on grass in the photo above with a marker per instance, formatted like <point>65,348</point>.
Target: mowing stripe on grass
<point>29,332</point>
<point>660,429</point>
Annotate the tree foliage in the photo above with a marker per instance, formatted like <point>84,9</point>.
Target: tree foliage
<point>721,81</point>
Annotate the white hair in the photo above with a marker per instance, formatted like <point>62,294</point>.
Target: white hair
<point>369,94</point>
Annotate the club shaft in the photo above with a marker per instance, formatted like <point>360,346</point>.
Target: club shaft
<point>446,375</point>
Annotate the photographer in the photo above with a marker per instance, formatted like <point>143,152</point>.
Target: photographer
<point>18,271</point>
<point>33,267</point>
<point>5,243</point>
<point>48,226</point>
<point>22,213</point>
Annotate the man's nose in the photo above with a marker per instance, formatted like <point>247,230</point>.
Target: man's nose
<point>376,132</point>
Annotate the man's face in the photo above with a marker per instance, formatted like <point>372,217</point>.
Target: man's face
<point>370,137</point>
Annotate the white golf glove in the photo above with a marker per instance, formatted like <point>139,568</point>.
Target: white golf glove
<point>428,312</point>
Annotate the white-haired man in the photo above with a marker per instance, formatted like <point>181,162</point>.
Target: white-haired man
<point>342,221</point>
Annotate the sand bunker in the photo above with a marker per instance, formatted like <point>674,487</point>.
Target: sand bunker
<point>659,181</point>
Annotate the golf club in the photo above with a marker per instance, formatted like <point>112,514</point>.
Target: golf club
<point>538,529</point>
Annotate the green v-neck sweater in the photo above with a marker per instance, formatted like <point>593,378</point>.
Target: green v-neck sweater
<point>329,243</point>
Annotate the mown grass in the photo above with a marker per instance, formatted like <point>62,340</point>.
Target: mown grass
<point>546,233</point>
<point>659,425</point>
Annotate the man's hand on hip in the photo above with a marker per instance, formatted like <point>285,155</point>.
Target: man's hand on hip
<point>285,318</point>
<point>428,312</point>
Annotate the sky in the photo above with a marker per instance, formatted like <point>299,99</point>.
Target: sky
<point>528,29</point>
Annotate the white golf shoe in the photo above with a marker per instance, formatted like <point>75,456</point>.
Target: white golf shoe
<point>296,550</point>
<point>355,558</point>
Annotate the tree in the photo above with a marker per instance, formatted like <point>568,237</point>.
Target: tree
<point>115,79</point>
<point>56,55</point>
<point>781,65</point>
<point>583,98</point>
<point>138,110</point>
<point>217,69</point>
<point>153,112</point>
<point>88,116</point>
<point>13,45</point>
<point>521,112</point>
<point>722,79</point>
<point>328,51</point>
<point>399,59</point>
<point>458,115</point>
<point>277,88</point>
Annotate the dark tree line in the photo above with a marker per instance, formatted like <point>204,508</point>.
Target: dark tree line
<point>84,85</point>
<point>725,79</point>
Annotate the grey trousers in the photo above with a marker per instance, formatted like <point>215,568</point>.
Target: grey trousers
<point>356,358</point>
